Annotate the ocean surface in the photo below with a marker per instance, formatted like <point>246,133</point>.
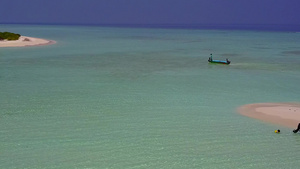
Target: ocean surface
<point>123,97</point>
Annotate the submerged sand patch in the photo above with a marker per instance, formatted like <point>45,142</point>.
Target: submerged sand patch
<point>284,114</point>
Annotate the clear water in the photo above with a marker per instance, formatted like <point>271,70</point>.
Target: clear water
<point>145,98</point>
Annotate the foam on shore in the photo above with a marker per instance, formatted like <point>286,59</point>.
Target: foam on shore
<point>24,41</point>
<point>284,114</point>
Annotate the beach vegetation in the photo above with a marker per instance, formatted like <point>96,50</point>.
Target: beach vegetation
<point>9,36</point>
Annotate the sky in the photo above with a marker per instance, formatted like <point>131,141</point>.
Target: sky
<point>150,11</point>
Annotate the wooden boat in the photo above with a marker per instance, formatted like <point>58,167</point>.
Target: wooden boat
<point>210,60</point>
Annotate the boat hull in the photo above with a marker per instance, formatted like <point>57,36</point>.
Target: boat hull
<point>220,62</point>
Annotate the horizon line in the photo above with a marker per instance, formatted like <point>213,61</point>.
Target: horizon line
<point>218,26</point>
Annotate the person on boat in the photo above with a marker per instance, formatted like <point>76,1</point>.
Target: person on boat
<point>296,130</point>
<point>210,58</point>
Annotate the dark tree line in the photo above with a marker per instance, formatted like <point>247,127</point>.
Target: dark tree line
<point>9,36</point>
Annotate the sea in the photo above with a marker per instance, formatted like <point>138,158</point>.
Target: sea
<point>127,97</point>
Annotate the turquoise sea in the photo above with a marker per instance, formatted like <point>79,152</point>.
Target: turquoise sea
<point>117,97</point>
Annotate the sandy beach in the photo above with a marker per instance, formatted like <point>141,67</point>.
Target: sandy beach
<point>24,41</point>
<point>284,114</point>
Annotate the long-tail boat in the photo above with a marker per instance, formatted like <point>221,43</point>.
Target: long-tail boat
<point>210,60</point>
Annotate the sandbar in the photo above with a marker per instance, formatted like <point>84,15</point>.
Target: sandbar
<point>283,114</point>
<point>24,41</point>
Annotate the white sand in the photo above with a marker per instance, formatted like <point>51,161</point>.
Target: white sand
<point>284,114</point>
<point>26,41</point>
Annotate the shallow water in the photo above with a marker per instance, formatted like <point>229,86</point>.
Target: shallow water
<point>106,97</point>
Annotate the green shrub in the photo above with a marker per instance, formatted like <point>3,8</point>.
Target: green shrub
<point>9,36</point>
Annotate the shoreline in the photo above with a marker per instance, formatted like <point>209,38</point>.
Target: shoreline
<point>25,41</point>
<point>283,114</point>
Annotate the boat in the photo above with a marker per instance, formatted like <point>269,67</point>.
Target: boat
<point>210,60</point>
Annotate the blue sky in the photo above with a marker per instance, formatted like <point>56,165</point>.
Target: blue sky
<point>151,11</point>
